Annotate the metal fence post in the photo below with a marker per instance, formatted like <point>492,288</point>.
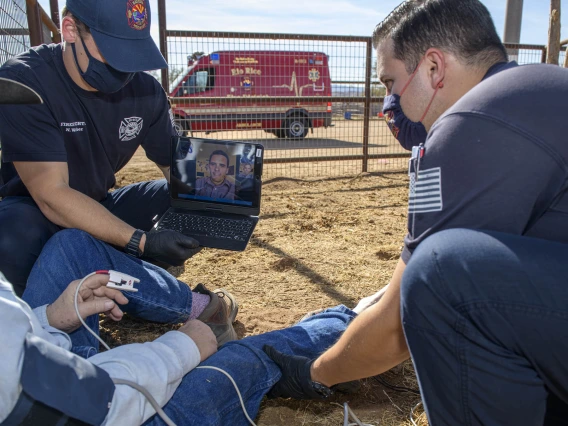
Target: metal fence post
<point>34,22</point>
<point>54,10</point>
<point>367,107</point>
<point>163,42</point>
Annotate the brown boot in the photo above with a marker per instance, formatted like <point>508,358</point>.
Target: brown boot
<point>220,313</point>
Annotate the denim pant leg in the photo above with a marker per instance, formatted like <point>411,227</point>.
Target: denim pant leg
<point>23,232</point>
<point>486,319</point>
<point>138,203</point>
<point>72,254</point>
<point>207,397</point>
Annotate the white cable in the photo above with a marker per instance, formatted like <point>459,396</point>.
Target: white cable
<point>79,315</point>
<point>149,397</point>
<point>412,413</point>
<point>236,388</point>
<point>347,413</point>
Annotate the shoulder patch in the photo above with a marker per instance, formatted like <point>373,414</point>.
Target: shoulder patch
<point>425,193</point>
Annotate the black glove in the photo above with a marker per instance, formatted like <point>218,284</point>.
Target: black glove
<point>170,247</point>
<point>296,381</point>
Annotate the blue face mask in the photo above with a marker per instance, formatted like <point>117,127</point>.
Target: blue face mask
<point>101,76</point>
<point>409,133</point>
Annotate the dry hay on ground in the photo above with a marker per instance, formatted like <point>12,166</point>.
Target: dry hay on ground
<point>319,243</point>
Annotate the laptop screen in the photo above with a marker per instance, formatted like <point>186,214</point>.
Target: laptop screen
<point>216,172</point>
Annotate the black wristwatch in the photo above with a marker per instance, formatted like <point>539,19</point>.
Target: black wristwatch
<point>133,246</point>
<point>322,389</point>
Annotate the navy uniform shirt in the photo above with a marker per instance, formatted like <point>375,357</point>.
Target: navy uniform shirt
<point>96,134</point>
<point>497,160</point>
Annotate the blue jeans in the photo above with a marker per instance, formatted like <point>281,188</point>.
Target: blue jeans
<point>486,319</point>
<point>72,254</point>
<point>207,397</point>
<point>24,229</point>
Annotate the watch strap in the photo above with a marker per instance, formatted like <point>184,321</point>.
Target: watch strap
<point>133,246</point>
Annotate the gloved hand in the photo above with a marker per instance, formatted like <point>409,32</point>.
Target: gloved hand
<point>170,246</point>
<point>296,381</point>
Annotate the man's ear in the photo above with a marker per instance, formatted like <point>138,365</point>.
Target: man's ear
<point>69,29</point>
<point>436,64</point>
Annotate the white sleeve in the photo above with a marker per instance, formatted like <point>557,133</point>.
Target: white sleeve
<point>58,337</point>
<point>157,366</point>
<point>17,320</point>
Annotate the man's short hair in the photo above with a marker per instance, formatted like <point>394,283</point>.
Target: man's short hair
<point>219,152</point>
<point>463,28</point>
<point>82,28</point>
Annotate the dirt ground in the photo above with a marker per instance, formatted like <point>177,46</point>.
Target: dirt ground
<point>319,243</point>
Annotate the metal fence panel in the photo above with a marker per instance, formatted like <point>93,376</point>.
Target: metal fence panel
<point>14,34</point>
<point>303,97</point>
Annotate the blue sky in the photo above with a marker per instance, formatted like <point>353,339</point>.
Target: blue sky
<point>345,17</point>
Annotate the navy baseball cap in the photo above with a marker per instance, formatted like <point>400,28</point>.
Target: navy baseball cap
<point>121,30</point>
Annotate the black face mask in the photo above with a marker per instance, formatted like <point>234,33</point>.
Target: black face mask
<point>101,76</point>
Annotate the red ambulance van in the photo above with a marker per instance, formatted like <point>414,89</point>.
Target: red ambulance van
<point>231,75</point>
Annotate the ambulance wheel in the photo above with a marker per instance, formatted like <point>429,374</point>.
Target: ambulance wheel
<point>297,127</point>
<point>280,133</point>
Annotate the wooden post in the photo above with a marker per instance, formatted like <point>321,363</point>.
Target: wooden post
<point>553,49</point>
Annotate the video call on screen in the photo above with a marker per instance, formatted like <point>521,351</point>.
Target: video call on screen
<point>214,172</point>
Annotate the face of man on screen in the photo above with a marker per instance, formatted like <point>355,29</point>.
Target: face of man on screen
<point>247,169</point>
<point>218,169</point>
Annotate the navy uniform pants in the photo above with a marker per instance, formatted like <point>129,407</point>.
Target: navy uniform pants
<point>486,319</point>
<point>24,229</point>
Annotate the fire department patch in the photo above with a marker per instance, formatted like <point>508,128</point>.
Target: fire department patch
<point>130,128</point>
<point>137,14</point>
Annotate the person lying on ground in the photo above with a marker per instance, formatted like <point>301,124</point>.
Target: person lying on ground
<point>481,316</point>
<point>166,367</point>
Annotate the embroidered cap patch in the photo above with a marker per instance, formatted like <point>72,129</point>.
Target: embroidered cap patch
<point>137,14</point>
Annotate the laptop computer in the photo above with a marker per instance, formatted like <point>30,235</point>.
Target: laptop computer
<point>215,189</point>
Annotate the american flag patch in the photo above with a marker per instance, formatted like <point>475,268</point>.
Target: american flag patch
<point>425,193</point>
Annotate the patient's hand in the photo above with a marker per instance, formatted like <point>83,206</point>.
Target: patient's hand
<point>203,337</point>
<point>93,298</point>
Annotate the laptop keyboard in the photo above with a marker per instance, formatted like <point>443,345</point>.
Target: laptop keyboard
<point>215,227</point>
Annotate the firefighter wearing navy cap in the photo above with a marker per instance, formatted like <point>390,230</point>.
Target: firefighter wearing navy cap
<point>59,158</point>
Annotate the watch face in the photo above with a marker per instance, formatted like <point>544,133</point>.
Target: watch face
<point>322,389</point>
